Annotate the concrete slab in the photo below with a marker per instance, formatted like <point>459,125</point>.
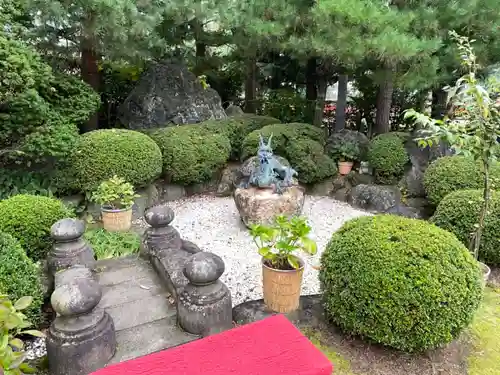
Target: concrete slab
<point>129,291</point>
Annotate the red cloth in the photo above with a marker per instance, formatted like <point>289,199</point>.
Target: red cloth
<point>268,347</point>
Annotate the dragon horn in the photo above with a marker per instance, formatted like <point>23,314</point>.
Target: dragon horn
<point>261,140</point>
<point>269,140</point>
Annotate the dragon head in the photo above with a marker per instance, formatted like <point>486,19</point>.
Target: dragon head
<point>265,151</point>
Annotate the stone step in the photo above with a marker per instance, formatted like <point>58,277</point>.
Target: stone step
<point>122,262</point>
<point>129,291</point>
<point>113,276</point>
<point>149,338</point>
<point>142,311</point>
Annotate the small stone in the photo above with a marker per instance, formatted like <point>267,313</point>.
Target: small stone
<point>204,268</point>
<point>159,216</point>
<point>79,297</point>
<point>67,230</point>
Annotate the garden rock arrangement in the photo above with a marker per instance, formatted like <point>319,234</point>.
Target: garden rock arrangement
<point>169,94</point>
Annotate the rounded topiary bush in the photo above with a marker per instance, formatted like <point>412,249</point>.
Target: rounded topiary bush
<point>20,277</point>
<point>458,213</point>
<point>301,144</point>
<point>388,156</point>
<point>400,282</point>
<point>101,154</point>
<point>29,218</point>
<point>191,153</point>
<point>451,173</point>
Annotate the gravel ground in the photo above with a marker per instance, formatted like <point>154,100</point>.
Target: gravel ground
<point>213,223</point>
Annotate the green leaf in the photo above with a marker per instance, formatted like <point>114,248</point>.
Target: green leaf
<point>23,303</point>
<point>292,260</point>
<point>16,343</point>
<point>309,246</point>
<point>33,332</point>
<point>264,251</point>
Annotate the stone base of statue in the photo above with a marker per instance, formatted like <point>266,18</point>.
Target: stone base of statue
<point>260,206</point>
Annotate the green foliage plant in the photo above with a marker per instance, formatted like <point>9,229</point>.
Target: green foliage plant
<point>388,156</point>
<point>112,244</point>
<point>459,213</point>
<point>13,323</point>
<point>102,154</point>
<point>347,151</point>
<point>20,276</point>
<point>29,219</point>
<point>191,153</point>
<point>400,282</point>
<point>451,173</point>
<point>476,132</point>
<point>279,242</point>
<point>115,194</point>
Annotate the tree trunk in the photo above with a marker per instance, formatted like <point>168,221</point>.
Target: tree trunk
<point>251,86</point>
<point>90,75</point>
<point>384,102</point>
<point>341,102</point>
<point>201,47</point>
<point>476,240</point>
<point>320,101</point>
<point>311,88</point>
<point>439,100</point>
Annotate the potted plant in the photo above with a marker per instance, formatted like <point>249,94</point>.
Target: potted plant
<point>116,197</point>
<point>282,269</point>
<point>346,153</point>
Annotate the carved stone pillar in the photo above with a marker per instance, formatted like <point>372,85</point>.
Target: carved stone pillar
<point>204,306</point>
<point>69,248</point>
<point>167,251</point>
<point>82,338</point>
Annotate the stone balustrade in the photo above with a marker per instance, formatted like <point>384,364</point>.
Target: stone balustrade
<point>81,339</point>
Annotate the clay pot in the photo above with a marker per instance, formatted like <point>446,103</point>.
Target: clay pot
<point>345,167</point>
<point>282,287</point>
<point>116,220</point>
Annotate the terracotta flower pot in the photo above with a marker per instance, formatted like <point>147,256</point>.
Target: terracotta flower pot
<point>114,220</point>
<point>282,287</point>
<point>345,167</point>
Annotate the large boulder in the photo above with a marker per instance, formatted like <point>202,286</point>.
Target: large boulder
<point>169,94</point>
<point>378,198</point>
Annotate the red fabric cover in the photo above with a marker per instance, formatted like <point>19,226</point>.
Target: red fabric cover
<point>272,346</point>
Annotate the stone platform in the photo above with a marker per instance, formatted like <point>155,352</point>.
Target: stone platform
<point>143,311</point>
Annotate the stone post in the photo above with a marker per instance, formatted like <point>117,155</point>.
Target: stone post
<point>204,306</point>
<point>166,250</point>
<point>82,337</point>
<point>69,248</point>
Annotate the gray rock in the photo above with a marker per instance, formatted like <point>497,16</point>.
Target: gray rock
<point>73,201</point>
<point>341,195</point>
<point>170,192</point>
<point>405,211</point>
<point>345,135</point>
<point>148,197</point>
<point>76,298</point>
<point>169,94</point>
<point>323,188</point>
<point>230,178</point>
<point>234,110</point>
<point>378,198</point>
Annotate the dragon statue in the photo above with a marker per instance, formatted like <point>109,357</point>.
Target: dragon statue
<point>270,172</point>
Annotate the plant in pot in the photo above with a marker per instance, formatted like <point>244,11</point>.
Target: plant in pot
<point>346,153</point>
<point>282,269</point>
<point>116,197</point>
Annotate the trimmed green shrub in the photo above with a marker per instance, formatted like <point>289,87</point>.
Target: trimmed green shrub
<point>20,277</point>
<point>400,282</point>
<point>388,156</point>
<point>237,128</point>
<point>191,153</point>
<point>29,218</point>
<point>451,173</point>
<point>101,154</point>
<point>301,144</point>
<point>458,213</point>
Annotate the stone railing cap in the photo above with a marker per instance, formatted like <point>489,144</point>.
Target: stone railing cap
<point>67,230</point>
<point>159,216</point>
<point>204,268</point>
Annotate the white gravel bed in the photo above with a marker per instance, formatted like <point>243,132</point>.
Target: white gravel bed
<point>213,223</point>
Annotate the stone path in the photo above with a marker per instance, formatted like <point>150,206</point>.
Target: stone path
<point>145,319</point>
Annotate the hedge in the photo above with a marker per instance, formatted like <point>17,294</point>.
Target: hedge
<point>301,144</point>
<point>19,277</point>
<point>191,153</point>
<point>28,218</point>
<point>388,156</point>
<point>451,173</point>
<point>101,154</point>
<point>237,128</point>
<point>400,282</point>
<point>458,213</point>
